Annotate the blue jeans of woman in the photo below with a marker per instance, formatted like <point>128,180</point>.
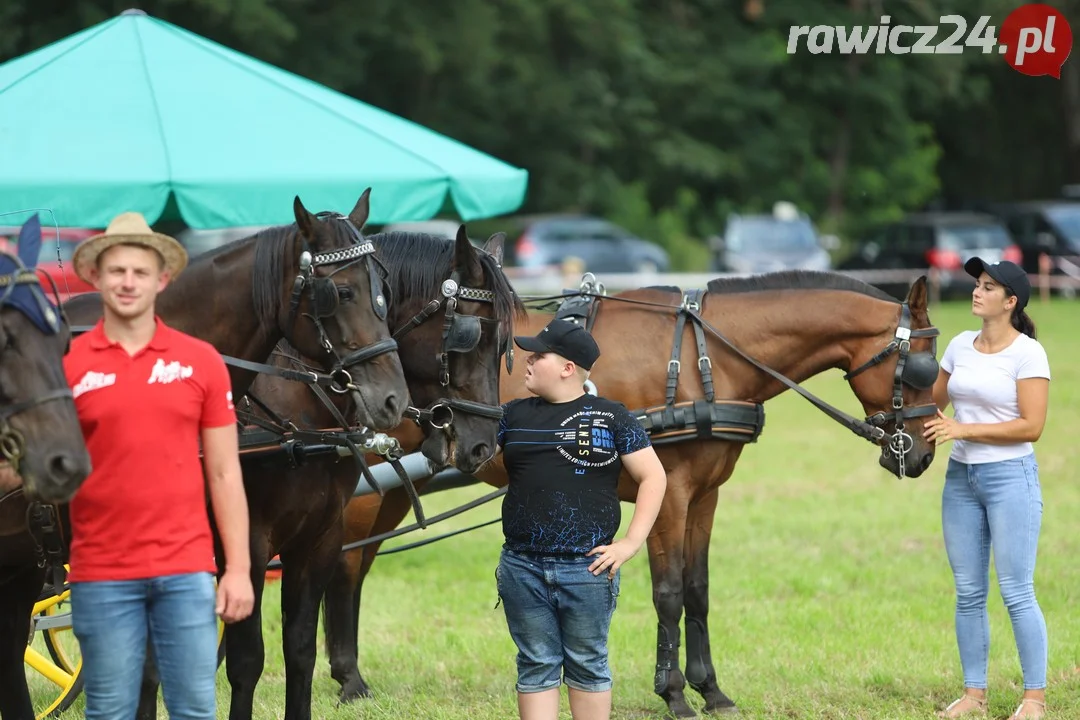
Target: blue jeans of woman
<point>112,621</point>
<point>995,506</point>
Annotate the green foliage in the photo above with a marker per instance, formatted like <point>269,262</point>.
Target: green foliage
<point>664,115</point>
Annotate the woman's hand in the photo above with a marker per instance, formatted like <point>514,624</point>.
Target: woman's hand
<point>941,427</point>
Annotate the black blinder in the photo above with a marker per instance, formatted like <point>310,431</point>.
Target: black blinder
<point>464,334</point>
<point>920,371</point>
<point>325,294</point>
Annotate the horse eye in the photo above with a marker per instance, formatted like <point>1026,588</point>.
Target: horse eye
<point>9,342</point>
<point>345,293</point>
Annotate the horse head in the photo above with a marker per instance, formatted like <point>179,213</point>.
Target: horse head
<point>453,311</point>
<point>895,382</point>
<point>41,441</point>
<point>331,305</point>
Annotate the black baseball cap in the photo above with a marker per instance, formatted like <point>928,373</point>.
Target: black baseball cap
<point>563,337</point>
<point>1005,273</point>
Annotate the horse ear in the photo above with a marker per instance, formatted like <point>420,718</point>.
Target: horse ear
<point>359,214</point>
<point>494,247</point>
<point>917,295</point>
<point>304,220</point>
<point>465,261</point>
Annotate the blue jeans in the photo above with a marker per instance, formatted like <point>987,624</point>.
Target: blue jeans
<point>995,505</point>
<point>112,621</point>
<point>558,614</point>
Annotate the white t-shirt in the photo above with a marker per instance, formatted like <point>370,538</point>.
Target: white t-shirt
<point>982,389</point>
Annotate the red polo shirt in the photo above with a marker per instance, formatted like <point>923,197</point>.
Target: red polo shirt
<point>142,511</point>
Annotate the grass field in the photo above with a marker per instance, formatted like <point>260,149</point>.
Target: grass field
<point>831,596</point>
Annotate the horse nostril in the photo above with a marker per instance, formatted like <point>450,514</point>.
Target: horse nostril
<point>393,407</point>
<point>63,466</point>
<point>481,452</point>
<point>926,460</point>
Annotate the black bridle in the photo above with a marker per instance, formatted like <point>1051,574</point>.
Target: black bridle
<point>917,370</point>
<point>12,442</point>
<point>325,297</point>
<point>461,334</point>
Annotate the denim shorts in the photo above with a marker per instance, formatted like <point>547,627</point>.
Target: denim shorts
<point>558,614</point>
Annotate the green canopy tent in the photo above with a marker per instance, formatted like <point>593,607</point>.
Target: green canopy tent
<point>138,114</point>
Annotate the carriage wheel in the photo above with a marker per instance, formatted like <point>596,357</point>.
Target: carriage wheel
<point>54,676</point>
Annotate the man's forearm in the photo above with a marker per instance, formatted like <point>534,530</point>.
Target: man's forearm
<point>231,514</point>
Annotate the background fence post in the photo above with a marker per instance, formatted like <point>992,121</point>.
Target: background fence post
<point>1044,277</point>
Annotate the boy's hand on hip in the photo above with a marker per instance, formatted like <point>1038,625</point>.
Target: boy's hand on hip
<point>611,557</point>
<point>235,596</point>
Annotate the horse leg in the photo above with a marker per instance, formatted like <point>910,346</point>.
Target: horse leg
<point>244,651</point>
<point>307,572</point>
<point>341,606</point>
<point>342,601</point>
<point>148,690</point>
<point>666,566</point>
<point>699,664</point>
<point>17,599</point>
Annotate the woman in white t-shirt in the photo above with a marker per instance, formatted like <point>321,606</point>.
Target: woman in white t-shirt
<point>998,380</point>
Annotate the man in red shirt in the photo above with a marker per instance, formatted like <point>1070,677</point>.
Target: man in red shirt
<point>142,555</point>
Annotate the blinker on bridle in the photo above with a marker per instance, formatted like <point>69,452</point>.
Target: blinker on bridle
<point>325,301</point>
<point>461,334</point>
<point>916,370</point>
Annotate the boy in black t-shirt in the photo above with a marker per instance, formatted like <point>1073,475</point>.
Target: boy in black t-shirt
<point>558,573</point>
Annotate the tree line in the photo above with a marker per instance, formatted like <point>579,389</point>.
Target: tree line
<point>666,115</point>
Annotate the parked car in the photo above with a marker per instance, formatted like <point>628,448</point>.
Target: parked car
<point>1047,226</point>
<point>546,242</point>
<point>940,240</point>
<point>54,259</point>
<point>784,240</point>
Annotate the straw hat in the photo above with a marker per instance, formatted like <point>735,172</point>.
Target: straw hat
<point>129,228</point>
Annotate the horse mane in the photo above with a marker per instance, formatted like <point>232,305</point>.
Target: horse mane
<point>418,263</point>
<point>796,280</point>
<point>272,247</point>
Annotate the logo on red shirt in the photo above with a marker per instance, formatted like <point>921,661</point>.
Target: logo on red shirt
<point>167,373</point>
<point>93,381</point>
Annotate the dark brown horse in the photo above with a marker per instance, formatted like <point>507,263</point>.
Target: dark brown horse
<point>798,325</point>
<point>315,283</point>
<point>453,310</point>
<point>43,457</point>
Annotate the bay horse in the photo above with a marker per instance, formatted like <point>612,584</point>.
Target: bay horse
<point>453,311</point>
<point>781,326</point>
<point>314,283</point>
<point>43,457</point>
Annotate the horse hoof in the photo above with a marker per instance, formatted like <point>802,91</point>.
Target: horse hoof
<point>351,693</point>
<point>679,709</point>
<point>722,705</point>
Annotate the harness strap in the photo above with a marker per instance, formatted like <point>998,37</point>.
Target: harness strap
<point>44,526</point>
<point>674,366</point>
<point>694,299</point>
<point>860,427</point>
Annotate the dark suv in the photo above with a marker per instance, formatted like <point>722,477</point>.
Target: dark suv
<point>940,240</point>
<point>1048,226</point>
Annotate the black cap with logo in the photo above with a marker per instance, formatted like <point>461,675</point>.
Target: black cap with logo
<point>1005,273</point>
<point>564,338</point>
